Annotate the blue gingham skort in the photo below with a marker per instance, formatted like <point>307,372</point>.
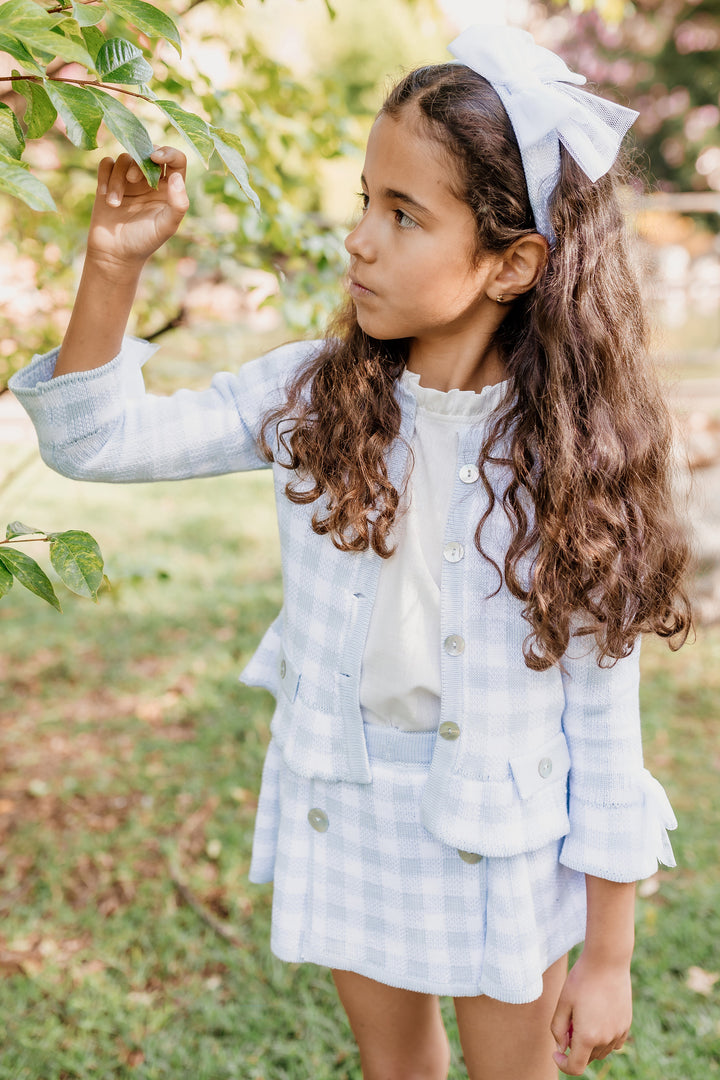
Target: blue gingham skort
<point>361,885</point>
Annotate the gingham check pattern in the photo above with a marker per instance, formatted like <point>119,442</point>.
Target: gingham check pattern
<point>377,894</point>
<point>488,790</point>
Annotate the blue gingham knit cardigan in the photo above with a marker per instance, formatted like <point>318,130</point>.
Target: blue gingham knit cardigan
<point>531,756</point>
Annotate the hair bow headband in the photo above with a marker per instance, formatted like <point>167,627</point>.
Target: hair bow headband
<point>541,96</point>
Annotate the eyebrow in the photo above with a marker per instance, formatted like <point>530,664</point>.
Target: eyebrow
<point>402,196</point>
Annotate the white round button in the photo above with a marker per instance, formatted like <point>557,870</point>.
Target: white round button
<point>318,819</point>
<point>454,645</point>
<point>454,551</point>
<point>469,474</point>
<point>469,856</point>
<point>544,767</point>
<point>449,730</point>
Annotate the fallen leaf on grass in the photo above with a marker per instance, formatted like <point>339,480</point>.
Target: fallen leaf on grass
<point>701,981</point>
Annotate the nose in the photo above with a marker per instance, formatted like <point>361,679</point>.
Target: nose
<point>359,241</point>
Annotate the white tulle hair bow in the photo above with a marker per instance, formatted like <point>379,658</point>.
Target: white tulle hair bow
<point>541,96</point>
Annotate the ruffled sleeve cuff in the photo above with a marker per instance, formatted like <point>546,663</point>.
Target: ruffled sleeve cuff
<point>621,843</point>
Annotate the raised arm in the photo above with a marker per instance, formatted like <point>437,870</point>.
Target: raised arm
<point>130,221</point>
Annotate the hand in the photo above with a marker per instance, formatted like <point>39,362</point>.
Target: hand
<point>131,220</point>
<point>593,1014</point>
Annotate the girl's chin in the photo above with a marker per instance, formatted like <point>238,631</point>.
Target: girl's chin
<point>379,331</point>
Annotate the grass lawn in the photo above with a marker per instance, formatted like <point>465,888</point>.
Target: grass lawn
<point>131,754</point>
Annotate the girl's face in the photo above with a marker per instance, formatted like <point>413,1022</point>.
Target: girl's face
<point>412,271</point>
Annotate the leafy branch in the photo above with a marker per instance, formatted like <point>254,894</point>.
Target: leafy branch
<point>74,555</point>
<point>73,82</point>
<point>36,37</point>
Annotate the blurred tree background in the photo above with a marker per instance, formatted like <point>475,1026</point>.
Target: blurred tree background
<point>663,58</point>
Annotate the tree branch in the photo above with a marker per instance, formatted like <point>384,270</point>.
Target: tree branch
<point>61,10</point>
<point>227,933</point>
<point>177,320</point>
<point>77,82</point>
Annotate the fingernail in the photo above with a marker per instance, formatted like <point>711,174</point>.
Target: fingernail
<point>176,180</point>
<point>114,199</point>
<point>159,154</point>
<point>102,189</point>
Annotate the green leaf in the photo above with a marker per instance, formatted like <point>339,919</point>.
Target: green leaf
<point>16,180</point>
<point>128,130</point>
<point>120,61</point>
<point>41,33</point>
<point>55,43</point>
<point>191,127</point>
<point>231,150</point>
<point>149,19</point>
<point>78,110</point>
<point>6,581</point>
<point>94,39</point>
<point>88,14</point>
<point>77,559</point>
<point>12,139</point>
<point>17,50</point>
<point>18,528</point>
<point>25,12</point>
<point>40,112</point>
<point>29,574</point>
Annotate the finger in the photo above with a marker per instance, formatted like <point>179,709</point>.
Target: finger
<point>171,157</point>
<point>561,1025</point>
<point>580,1053</point>
<point>600,1052</point>
<point>104,170</point>
<point>117,180</point>
<point>177,195</point>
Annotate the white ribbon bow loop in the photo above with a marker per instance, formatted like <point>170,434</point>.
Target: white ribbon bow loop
<point>541,96</point>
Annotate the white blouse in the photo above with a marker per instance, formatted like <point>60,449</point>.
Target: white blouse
<point>400,679</point>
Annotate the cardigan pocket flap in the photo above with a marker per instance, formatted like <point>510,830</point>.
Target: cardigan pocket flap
<point>288,675</point>
<point>545,765</point>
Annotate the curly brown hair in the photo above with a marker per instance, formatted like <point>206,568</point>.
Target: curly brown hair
<point>584,431</point>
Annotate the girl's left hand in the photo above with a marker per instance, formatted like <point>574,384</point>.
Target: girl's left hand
<point>593,1014</point>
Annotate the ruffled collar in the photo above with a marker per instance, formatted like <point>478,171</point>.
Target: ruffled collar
<point>455,403</point>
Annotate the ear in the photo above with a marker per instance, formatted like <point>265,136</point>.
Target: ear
<point>519,268</point>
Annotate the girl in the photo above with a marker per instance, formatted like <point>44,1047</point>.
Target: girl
<point>474,503</point>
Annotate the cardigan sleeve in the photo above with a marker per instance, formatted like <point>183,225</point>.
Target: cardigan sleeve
<point>102,425</point>
<point>619,812</point>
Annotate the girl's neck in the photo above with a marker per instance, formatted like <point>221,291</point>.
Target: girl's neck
<point>450,366</point>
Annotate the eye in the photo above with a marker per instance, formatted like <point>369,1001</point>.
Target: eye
<point>404,220</point>
<point>364,199</point>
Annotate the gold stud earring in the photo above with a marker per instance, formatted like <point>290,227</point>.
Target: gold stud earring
<point>500,299</point>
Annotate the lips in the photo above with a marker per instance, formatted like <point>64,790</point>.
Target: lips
<point>357,288</point>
